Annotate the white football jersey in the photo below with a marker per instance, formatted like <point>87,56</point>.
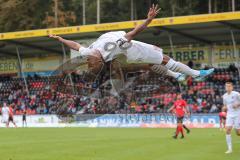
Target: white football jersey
<point>106,44</point>
<point>230,100</point>
<point>5,111</point>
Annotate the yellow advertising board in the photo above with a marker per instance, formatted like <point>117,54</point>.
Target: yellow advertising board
<point>41,64</point>
<point>222,56</point>
<point>201,55</point>
<point>226,54</point>
<point>197,54</point>
<point>8,66</point>
<point>30,64</point>
<point>203,18</point>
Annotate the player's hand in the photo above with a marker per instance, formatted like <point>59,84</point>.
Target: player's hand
<point>153,11</point>
<point>54,36</point>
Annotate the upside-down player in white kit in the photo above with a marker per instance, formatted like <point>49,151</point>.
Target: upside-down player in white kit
<point>5,113</point>
<point>231,101</point>
<point>111,44</point>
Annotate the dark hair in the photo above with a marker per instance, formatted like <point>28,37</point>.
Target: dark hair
<point>229,82</point>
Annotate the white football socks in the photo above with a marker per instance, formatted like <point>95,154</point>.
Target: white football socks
<point>160,69</point>
<point>229,141</point>
<point>182,68</point>
<point>173,74</point>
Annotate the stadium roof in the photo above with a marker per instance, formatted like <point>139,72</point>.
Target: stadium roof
<point>200,29</point>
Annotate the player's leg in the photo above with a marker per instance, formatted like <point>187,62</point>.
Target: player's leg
<point>141,52</point>
<point>25,122</point>
<point>229,126</point>
<point>179,128</point>
<point>224,123</point>
<point>11,120</point>
<point>186,128</point>
<point>5,120</point>
<point>177,131</point>
<point>176,75</point>
<point>15,125</point>
<point>160,69</point>
<point>182,68</point>
<point>229,139</point>
<point>7,124</point>
<point>237,125</point>
<point>220,123</point>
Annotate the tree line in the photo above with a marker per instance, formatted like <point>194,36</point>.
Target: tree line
<point>19,15</point>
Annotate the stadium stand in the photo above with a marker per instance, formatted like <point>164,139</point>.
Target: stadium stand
<point>46,93</point>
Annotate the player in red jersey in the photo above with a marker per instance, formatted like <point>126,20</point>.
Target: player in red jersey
<point>179,108</point>
<point>222,118</point>
<point>10,118</point>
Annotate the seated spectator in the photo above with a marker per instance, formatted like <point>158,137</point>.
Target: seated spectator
<point>213,109</point>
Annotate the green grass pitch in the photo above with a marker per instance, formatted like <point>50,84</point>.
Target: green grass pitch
<point>113,144</point>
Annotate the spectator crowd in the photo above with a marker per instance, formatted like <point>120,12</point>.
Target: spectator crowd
<point>45,95</point>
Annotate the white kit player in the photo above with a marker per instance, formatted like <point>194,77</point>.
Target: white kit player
<point>5,113</point>
<point>111,44</point>
<point>231,101</point>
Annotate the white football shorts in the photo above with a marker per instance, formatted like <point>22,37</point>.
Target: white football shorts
<point>141,52</point>
<point>233,121</point>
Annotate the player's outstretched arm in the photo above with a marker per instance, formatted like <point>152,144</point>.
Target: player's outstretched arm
<point>71,44</point>
<point>153,11</point>
<point>170,109</point>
